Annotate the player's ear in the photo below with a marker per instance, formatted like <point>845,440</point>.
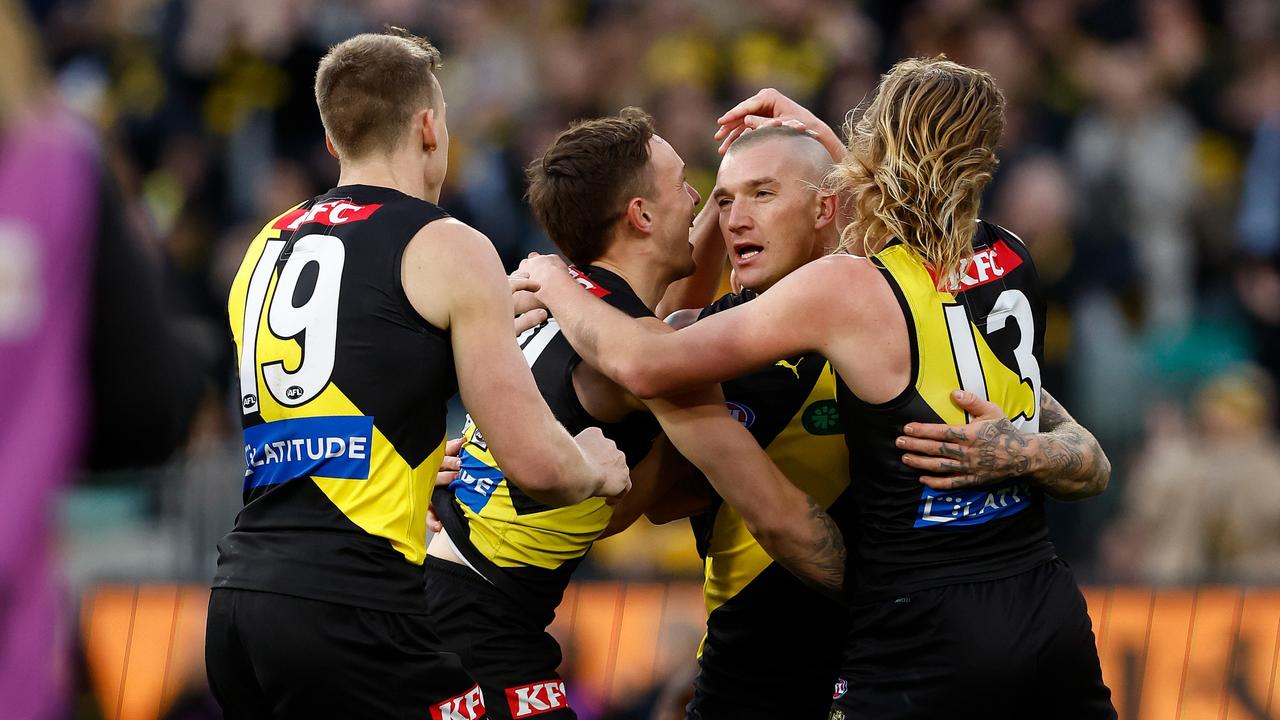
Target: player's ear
<point>828,206</point>
<point>328,145</point>
<point>427,123</point>
<point>639,216</point>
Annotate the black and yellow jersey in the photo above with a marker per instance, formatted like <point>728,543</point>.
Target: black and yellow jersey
<point>985,334</point>
<point>343,388</point>
<point>525,548</point>
<point>773,642</point>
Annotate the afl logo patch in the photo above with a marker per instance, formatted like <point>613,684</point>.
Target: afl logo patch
<point>293,392</point>
<point>250,401</point>
<point>741,413</point>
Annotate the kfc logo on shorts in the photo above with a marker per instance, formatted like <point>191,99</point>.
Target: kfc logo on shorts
<point>842,687</point>
<point>329,212</point>
<point>536,698</point>
<point>467,706</point>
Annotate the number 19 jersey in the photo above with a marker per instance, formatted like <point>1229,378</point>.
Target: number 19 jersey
<point>343,391</point>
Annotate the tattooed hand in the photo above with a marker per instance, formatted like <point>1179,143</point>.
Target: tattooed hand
<point>1063,459</point>
<point>959,456</point>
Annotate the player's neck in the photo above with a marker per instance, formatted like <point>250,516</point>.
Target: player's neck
<point>648,280</point>
<point>386,172</point>
<point>828,241</point>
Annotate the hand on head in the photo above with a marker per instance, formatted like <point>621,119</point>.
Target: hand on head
<point>765,108</point>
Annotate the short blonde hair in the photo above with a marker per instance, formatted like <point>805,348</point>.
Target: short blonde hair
<point>369,86</point>
<point>919,157</point>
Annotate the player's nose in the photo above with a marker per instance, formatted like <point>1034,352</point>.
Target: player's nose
<point>739,218</point>
<point>693,193</point>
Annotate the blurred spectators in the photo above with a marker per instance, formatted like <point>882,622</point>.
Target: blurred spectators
<point>1141,164</point>
<point>1203,503</point>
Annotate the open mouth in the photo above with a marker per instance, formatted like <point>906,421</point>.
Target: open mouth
<point>746,252</point>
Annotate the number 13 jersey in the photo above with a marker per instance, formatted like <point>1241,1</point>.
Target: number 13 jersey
<point>985,333</point>
<point>343,392</point>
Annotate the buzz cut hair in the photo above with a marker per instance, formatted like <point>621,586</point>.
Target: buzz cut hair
<point>769,132</point>
<point>809,149</point>
<point>369,87</point>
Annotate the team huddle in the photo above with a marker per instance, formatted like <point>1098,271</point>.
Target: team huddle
<point>857,432</point>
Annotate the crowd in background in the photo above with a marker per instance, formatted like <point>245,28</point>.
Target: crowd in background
<point>1141,164</point>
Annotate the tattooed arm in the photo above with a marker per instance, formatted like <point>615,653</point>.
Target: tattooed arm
<point>788,524</point>
<point>1063,459</point>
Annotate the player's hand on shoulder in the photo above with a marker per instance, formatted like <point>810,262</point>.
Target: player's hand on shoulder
<point>545,270</point>
<point>987,449</point>
<point>530,312</point>
<point>605,455</point>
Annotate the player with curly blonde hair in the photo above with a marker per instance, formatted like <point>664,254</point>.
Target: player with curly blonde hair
<point>961,606</point>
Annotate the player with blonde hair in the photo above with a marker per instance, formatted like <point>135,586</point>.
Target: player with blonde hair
<point>356,316</point>
<point>961,607</point>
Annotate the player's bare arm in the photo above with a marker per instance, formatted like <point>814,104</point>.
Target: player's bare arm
<point>837,306</point>
<point>1064,458</point>
<point>664,487</point>
<point>788,524</point>
<point>493,377</point>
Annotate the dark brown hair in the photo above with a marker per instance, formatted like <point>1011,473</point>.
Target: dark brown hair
<point>581,185</point>
<point>369,86</point>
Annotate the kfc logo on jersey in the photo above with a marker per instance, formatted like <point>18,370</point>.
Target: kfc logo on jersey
<point>986,265</point>
<point>586,283</point>
<point>536,698</point>
<point>842,687</point>
<point>467,706</point>
<point>329,212</point>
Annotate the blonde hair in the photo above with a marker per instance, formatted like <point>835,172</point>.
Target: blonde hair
<point>369,86</point>
<point>919,157</point>
<point>24,74</point>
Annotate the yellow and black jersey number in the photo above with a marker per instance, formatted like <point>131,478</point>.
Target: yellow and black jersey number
<point>330,439</point>
<point>980,372</point>
<point>1021,406</point>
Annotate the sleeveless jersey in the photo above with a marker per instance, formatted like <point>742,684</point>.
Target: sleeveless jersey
<point>343,388</point>
<point>771,638</point>
<point>525,548</point>
<point>985,335</point>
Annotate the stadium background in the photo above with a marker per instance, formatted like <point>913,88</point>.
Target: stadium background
<point>1141,164</point>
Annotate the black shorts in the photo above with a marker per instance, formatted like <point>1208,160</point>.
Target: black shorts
<point>278,656</point>
<point>512,656</point>
<point>1018,647</point>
